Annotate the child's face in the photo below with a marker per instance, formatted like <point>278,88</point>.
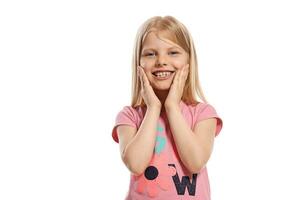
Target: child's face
<point>161,55</point>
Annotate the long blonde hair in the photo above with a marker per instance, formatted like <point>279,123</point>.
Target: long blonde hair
<point>180,36</point>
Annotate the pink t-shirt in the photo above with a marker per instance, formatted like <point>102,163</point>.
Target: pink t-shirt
<point>166,177</point>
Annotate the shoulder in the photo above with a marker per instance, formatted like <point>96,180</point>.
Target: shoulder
<point>206,111</point>
<point>128,115</point>
<point>133,113</point>
<point>197,107</point>
<point>128,109</point>
<point>201,111</point>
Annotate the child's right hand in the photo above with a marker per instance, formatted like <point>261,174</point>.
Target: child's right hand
<point>150,98</point>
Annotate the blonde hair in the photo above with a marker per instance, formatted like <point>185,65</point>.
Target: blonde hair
<point>180,36</point>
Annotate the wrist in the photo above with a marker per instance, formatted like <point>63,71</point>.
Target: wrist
<point>169,107</point>
<point>154,107</point>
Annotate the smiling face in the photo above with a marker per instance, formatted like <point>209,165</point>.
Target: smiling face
<point>160,58</point>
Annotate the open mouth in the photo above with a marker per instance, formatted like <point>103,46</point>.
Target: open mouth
<point>163,74</point>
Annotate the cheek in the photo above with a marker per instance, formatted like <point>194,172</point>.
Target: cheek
<point>143,61</point>
<point>147,64</point>
<point>147,71</point>
<point>180,64</point>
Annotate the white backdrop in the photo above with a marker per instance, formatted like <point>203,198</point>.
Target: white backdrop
<point>65,73</point>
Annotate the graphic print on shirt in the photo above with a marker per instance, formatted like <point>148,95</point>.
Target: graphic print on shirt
<point>161,174</point>
<point>184,183</point>
<point>160,144</point>
<point>157,175</point>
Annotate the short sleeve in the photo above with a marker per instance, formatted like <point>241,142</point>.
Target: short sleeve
<point>127,116</point>
<point>206,111</point>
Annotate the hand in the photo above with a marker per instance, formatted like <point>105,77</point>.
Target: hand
<point>177,87</point>
<point>150,98</point>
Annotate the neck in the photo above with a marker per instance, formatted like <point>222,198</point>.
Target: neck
<point>162,95</point>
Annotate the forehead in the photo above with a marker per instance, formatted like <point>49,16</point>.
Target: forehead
<point>159,40</point>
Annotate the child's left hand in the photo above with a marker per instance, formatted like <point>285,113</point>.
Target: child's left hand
<point>176,89</point>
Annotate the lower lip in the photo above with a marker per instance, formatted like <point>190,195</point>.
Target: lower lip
<point>163,78</point>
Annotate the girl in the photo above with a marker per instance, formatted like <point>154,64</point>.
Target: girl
<point>166,136</point>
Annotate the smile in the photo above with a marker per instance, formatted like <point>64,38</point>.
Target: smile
<point>162,75</point>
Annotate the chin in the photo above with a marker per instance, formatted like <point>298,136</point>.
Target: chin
<point>162,88</point>
<point>167,89</point>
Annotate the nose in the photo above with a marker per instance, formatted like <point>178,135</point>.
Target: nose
<point>161,61</point>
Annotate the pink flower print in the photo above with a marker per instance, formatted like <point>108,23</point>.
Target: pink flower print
<point>158,175</point>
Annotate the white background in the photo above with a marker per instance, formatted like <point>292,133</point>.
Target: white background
<point>66,72</point>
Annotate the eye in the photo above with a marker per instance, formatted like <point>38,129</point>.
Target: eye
<point>149,54</point>
<point>174,52</point>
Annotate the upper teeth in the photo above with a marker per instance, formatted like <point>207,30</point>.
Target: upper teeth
<point>162,74</point>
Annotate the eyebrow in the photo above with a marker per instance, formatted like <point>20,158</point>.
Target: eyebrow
<point>150,48</point>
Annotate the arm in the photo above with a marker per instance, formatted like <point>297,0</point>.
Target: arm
<point>136,148</point>
<point>194,147</point>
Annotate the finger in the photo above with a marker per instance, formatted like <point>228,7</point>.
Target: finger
<point>183,74</point>
<point>176,76</point>
<point>187,69</point>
